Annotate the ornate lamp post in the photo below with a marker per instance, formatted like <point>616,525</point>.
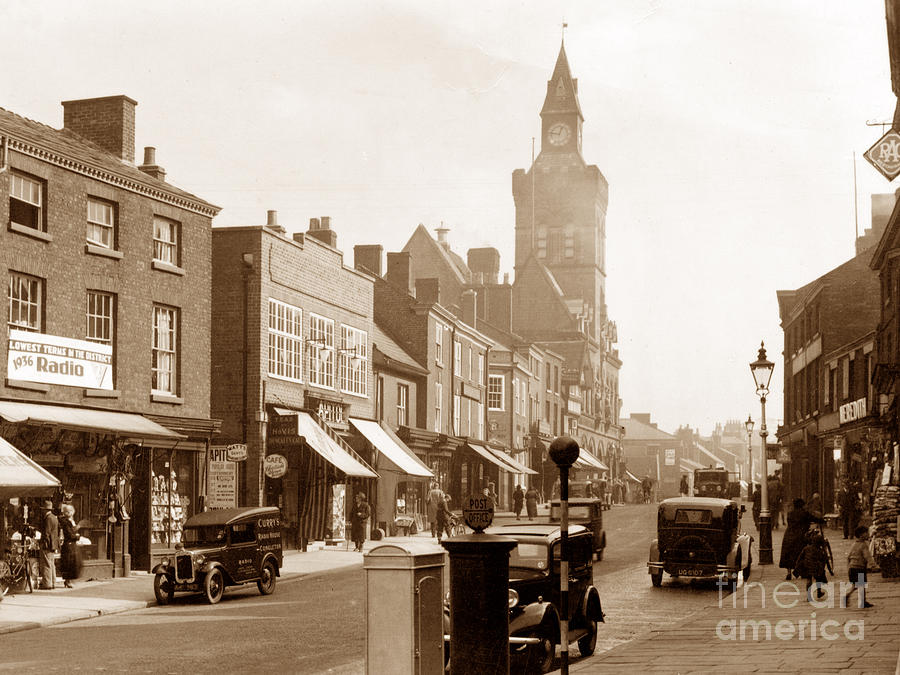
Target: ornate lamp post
<point>762,372</point>
<point>748,425</point>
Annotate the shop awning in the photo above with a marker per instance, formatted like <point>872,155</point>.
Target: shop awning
<point>690,464</point>
<point>630,476</point>
<point>392,448</point>
<point>588,461</point>
<point>516,465</point>
<point>20,476</point>
<point>484,453</point>
<point>129,425</point>
<point>319,440</point>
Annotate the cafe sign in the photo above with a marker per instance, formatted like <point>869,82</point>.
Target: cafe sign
<point>51,359</point>
<point>275,466</point>
<point>850,412</point>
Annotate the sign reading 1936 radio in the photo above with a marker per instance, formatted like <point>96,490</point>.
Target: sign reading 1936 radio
<point>478,512</point>
<point>51,359</point>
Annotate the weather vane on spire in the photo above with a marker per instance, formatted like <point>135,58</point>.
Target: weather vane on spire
<point>564,26</point>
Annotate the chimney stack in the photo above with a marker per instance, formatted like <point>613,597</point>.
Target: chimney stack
<point>367,257</point>
<point>428,290</point>
<point>469,304</point>
<point>272,222</point>
<point>320,228</point>
<point>442,235</point>
<point>485,264</point>
<point>150,167</point>
<point>107,122</point>
<point>399,270</point>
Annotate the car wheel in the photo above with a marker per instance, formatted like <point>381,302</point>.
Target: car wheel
<point>266,583</point>
<point>656,578</point>
<point>214,585</point>
<point>747,568</point>
<point>588,643</point>
<point>163,589</point>
<point>542,655</point>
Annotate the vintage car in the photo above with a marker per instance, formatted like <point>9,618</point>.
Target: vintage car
<point>700,538</point>
<point>586,511</point>
<point>534,594</point>
<point>226,547</point>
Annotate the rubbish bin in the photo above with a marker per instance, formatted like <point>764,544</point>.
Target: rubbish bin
<point>404,611</point>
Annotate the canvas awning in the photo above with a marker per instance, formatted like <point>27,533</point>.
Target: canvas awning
<point>515,465</point>
<point>22,477</point>
<point>129,425</point>
<point>392,448</point>
<point>630,476</point>
<point>588,461</point>
<point>690,464</point>
<point>484,453</point>
<point>319,440</point>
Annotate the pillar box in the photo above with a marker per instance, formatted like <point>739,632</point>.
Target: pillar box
<point>404,609</point>
<point>479,604</point>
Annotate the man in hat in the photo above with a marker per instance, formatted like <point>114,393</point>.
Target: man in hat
<point>49,545</point>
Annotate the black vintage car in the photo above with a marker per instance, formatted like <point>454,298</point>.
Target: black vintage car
<point>226,547</point>
<point>587,511</point>
<point>534,594</point>
<point>700,538</point>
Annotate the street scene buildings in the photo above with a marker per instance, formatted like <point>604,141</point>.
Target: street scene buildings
<point>165,370</point>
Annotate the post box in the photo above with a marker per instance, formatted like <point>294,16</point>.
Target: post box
<point>404,608</point>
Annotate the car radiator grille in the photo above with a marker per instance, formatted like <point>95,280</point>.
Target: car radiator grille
<point>184,568</point>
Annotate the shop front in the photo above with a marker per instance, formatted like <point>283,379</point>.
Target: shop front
<point>435,451</point>
<point>312,475</point>
<point>96,455</point>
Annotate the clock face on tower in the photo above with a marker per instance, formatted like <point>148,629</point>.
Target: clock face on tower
<point>559,134</point>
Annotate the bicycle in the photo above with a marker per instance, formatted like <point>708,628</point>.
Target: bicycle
<point>18,567</point>
<point>457,527</point>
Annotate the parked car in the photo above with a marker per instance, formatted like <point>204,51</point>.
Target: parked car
<point>700,538</point>
<point>586,511</point>
<point>220,548</point>
<point>534,595</point>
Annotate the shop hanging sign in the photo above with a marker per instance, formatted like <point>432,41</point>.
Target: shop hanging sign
<point>885,155</point>
<point>850,412</point>
<point>236,452</point>
<point>51,359</point>
<point>670,456</point>
<point>221,492</point>
<point>275,466</point>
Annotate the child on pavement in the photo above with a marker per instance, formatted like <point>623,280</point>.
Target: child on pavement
<point>858,561</point>
<point>812,562</point>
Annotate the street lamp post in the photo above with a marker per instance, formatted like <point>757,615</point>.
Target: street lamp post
<point>748,425</point>
<point>762,372</point>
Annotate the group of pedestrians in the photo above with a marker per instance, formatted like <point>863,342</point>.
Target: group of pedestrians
<point>58,535</point>
<point>529,498</point>
<point>437,508</point>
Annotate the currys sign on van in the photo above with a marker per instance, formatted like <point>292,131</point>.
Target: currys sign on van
<point>52,359</point>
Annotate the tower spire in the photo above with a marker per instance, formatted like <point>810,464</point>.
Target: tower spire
<point>562,88</point>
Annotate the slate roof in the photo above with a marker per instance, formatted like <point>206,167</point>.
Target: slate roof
<point>568,102</point>
<point>394,352</point>
<point>69,150</point>
<point>638,431</point>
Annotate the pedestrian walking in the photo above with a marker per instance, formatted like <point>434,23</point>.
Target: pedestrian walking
<point>434,497</point>
<point>531,502</point>
<point>815,505</point>
<point>775,493</point>
<point>849,503</point>
<point>757,506</point>
<point>798,522</point>
<point>683,488</point>
<point>49,545</point>
<point>518,500</point>
<point>444,519</point>
<point>859,560</point>
<point>70,557</point>
<point>359,516</point>
<point>812,563</point>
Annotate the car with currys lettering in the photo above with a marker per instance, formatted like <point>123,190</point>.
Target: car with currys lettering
<point>220,548</point>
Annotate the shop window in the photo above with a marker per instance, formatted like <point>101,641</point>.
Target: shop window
<point>172,495</point>
<point>26,302</point>
<point>26,202</point>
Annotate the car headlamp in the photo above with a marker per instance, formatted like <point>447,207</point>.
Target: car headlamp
<point>513,598</point>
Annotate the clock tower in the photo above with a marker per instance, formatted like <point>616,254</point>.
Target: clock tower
<point>561,209</point>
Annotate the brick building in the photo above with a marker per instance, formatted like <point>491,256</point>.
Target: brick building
<point>829,333</point>
<point>291,342</point>
<point>107,269</point>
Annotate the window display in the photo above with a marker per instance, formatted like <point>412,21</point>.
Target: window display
<point>171,496</point>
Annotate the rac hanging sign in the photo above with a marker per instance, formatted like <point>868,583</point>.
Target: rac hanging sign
<point>850,412</point>
<point>885,155</point>
<point>51,359</point>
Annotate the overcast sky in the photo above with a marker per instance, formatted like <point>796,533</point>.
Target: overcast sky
<point>726,130</point>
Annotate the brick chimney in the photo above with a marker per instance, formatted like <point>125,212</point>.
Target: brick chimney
<point>485,264</point>
<point>469,306</point>
<point>399,270</point>
<point>428,290</point>
<point>107,121</point>
<point>272,222</point>
<point>367,257</point>
<point>320,228</point>
<point>150,167</point>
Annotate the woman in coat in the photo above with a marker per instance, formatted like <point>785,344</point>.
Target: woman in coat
<point>70,557</point>
<point>531,500</point>
<point>798,522</point>
<point>518,499</point>
<point>358,518</point>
